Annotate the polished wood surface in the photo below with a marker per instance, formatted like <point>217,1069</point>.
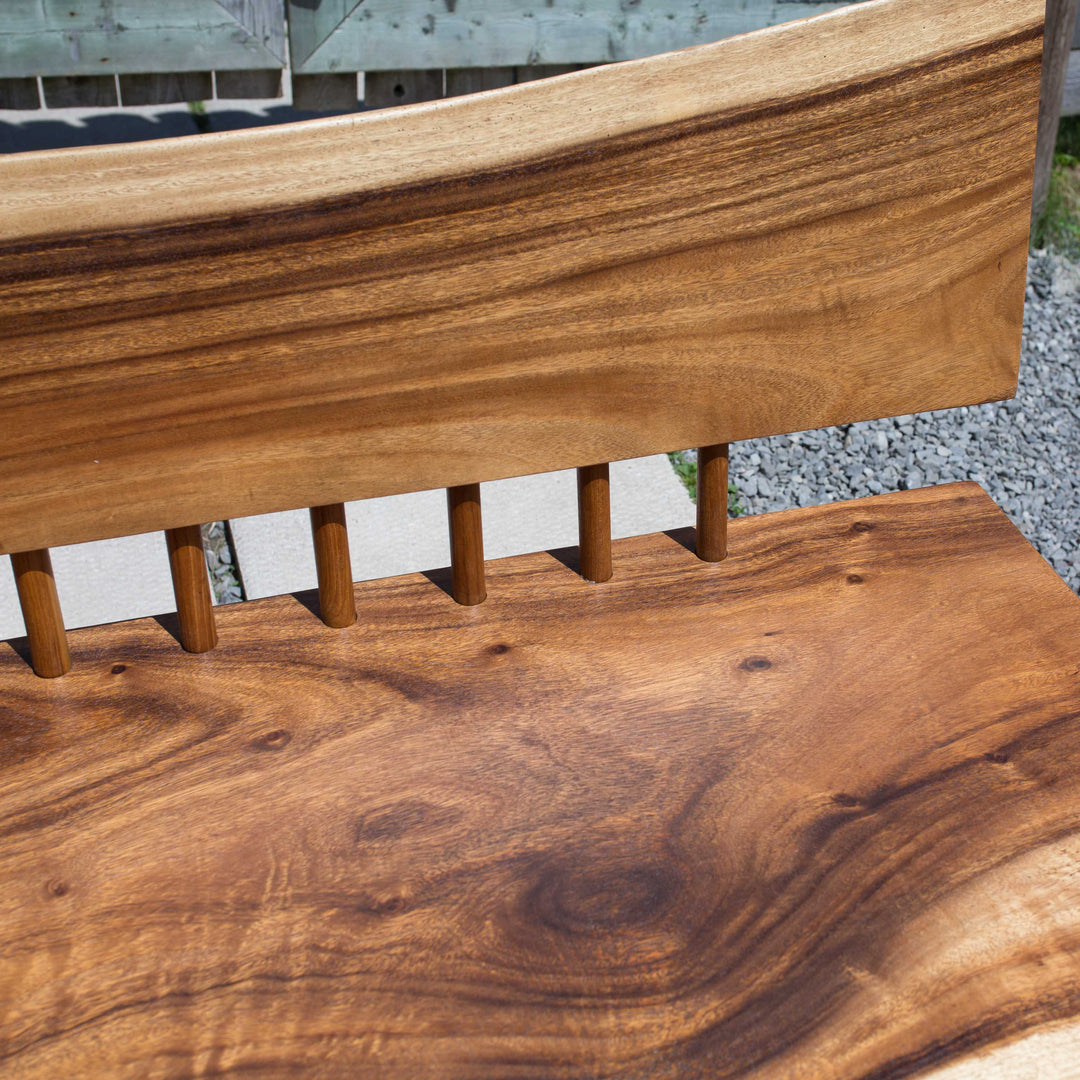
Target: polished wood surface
<point>813,811</point>
<point>814,224</point>
<point>466,544</point>
<point>191,588</point>
<point>333,565</point>
<point>41,613</point>
<point>712,502</point>
<point>594,522</point>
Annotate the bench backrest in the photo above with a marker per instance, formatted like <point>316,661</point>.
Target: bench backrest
<point>820,223</point>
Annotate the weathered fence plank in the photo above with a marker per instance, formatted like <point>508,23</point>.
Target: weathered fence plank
<point>259,84</point>
<point>158,88</point>
<point>404,87</point>
<point>387,34</point>
<point>325,92</point>
<point>1057,39</point>
<point>19,94</point>
<point>86,37</point>
<point>1070,105</point>
<point>82,91</point>
<point>474,79</point>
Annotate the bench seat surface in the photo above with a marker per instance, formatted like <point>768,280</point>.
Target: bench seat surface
<point>811,812</point>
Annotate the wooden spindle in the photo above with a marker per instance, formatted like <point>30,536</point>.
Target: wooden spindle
<point>34,580</point>
<point>712,499</point>
<point>466,544</point>
<point>191,587</point>
<point>337,605</point>
<point>594,522</point>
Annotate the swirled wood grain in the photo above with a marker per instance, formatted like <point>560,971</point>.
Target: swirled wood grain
<point>816,224</point>
<point>810,812</point>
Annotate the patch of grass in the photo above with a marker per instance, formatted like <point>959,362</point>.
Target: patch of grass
<point>199,116</point>
<point>1068,140</point>
<point>686,470</point>
<point>1059,223</point>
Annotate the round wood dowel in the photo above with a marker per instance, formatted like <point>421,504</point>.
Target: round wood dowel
<point>191,587</point>
<point>337,604</point>
<point>49,655</point>
<point>712,498</point>
<point>594,522</point>
<point>466,544</point>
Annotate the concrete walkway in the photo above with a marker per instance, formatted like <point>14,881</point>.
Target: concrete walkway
<point>100,582</point>
<point>407,533</point>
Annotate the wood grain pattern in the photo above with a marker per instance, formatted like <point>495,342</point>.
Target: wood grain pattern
<point>41,613</point>
<point>191,587</point>
<point>815,224</point>
<point>712,502</point>
<point>333,566</point>
<point>594,522</point>
<point>466,544</point>
<point>810,812</point>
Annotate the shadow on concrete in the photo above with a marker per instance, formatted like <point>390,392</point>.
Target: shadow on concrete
<point>120,127</point>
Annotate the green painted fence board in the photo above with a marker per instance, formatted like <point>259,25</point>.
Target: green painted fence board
<point>90,37</point>
<point>311,22</point>
<point>377,35</point>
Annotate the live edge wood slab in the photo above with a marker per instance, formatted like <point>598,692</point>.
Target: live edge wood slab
<point>811,812</point>
<point>816,224</point>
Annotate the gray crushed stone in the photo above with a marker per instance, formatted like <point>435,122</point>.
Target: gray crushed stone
<point>220,561</point>
<point>1024,452</point>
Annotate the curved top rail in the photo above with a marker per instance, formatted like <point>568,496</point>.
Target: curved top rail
<point>815,224</point>
<point>189,179</point>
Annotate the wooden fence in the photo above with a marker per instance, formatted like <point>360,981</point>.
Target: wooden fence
<point>143,52</point>
<point>1070,105</point>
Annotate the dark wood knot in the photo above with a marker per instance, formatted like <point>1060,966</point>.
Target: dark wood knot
<point>602,899</point>
<point>756,663</point>
<point>272,740</point>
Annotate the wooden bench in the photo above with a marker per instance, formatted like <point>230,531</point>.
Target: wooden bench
<point>809,810</point>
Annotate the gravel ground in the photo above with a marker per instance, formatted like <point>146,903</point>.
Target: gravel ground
<point>224,578</point>
<point>1024,452</point>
